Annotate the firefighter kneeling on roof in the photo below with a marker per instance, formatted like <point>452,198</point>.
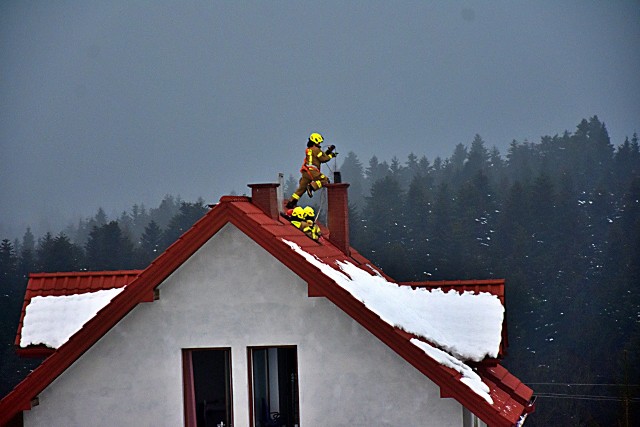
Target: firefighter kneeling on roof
<point>304,219</point>
<point>312,179</point>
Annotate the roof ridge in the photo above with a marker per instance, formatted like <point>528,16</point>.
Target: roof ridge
<point>86,273</point>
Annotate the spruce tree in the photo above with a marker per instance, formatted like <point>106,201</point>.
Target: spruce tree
<point>352,172</point>
<point>109,249</point>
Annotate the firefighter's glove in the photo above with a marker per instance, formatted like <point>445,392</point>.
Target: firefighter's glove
<point>330,149</point>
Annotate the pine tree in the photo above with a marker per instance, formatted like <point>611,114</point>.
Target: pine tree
<point>418,218</point>
<point>496,172</point>
<point>45,254</point>
<point>150,244</point>
<point>521,162</point>
<point>26,262</point>
<point>442,247</point>
<point>475,207</point>
<point>139,219</point>
<point>168,208</point>
<point>376,171</point>
<point>188,214</point>
<point>58,254</point>
<point>353,172</point>
<point>477,159</point>
<point>591,154</point>
<point>455,167</point>
<point>8,264</point>
<point>385,231</point>
<point>109,249</point>
<point>100,218</point>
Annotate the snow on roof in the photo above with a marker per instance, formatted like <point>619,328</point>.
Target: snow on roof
<point>467,326</point>
<point>51,320</point>
<point>469,377</point>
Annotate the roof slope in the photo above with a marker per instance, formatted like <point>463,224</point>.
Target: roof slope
<point>510,398</point>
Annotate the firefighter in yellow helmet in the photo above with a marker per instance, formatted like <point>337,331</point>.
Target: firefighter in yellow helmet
<point>304,220</point>
<point>311,178</point>
<point>312,230</point>
<point>297,218</point>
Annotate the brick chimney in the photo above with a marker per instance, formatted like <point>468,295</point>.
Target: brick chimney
<point>338,216</point>
<point>264,196</point>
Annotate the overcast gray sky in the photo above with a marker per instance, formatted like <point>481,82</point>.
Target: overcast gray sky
<point>111,103</point>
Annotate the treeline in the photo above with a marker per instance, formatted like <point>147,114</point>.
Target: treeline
<point>559,219</point>
<point>131,241</point>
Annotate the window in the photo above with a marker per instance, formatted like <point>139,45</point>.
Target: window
<point>274,386</point>
<point>207,387</point>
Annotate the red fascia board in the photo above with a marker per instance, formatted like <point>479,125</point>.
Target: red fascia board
<point>35,351</point>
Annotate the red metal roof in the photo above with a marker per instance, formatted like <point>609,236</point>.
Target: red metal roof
<point>57,284</point>
<point>511,397</point>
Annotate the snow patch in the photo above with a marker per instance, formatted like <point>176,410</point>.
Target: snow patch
<point>52,320</point>
<point>462,327</point>
<point>469,377</point>
<point>467,325</point>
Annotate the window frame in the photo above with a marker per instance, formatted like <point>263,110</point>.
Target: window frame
<point>188,401</point>
<point>469,419</point>
<point>250,377</point>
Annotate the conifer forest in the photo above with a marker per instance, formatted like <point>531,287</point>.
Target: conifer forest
<point>558,218</point>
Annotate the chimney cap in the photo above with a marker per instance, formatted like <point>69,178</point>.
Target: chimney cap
<point>264,185</point>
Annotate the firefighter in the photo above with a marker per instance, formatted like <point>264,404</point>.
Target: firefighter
<point>311,178</point>
<point>304,220</point>
<point>296,217</point>
<point>312,230</point>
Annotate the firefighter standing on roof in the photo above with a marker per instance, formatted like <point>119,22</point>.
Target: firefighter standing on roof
<point>312,179</point>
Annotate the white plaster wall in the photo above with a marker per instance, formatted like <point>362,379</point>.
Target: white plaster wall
<point>232,293</point>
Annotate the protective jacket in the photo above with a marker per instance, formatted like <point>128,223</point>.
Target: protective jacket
<point>314,157</point>
<point>309,228</point>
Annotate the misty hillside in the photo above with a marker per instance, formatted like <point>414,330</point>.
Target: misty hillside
<point>559,219</point>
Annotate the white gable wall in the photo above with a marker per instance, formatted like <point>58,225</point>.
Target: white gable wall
<point>232,293</point>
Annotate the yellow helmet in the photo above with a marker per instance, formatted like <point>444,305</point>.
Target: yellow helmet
<point>298,212</point>
<point>316,138</point>
<point>309,213</point>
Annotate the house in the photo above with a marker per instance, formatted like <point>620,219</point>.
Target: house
<point>245,321</point>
